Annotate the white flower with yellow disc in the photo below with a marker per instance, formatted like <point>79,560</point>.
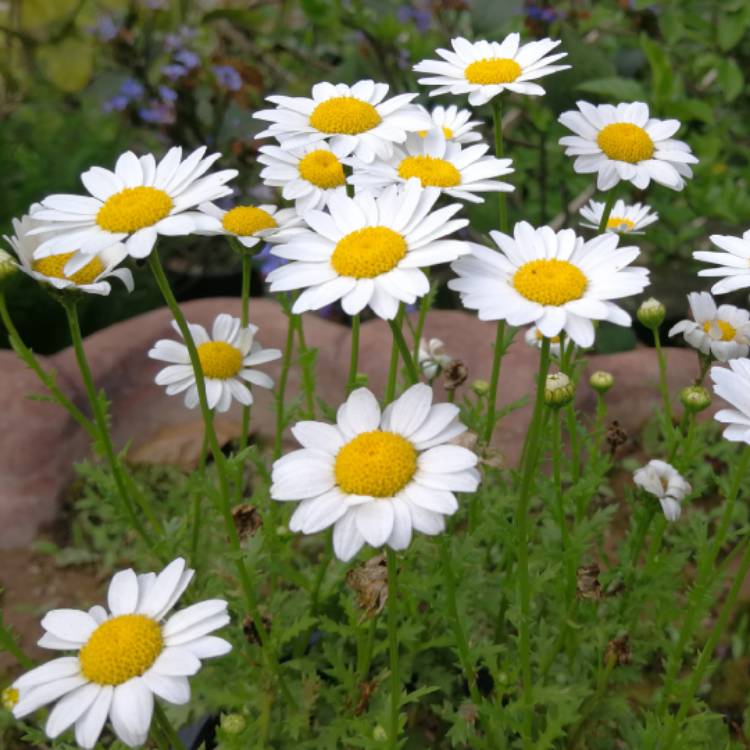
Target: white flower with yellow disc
<point>376,477</point>
<point>733,262</point>
<point>250,224</point>
<point>369,250</point>
<point>485,69</point>
<point>534,337</point>
<point>733,385</point>
<point>624,218</point>
<point>553,280</point>
<point>455,123</point>
<point>227,358</point>
<point>134,204</point>
<point>357,119</point>
<point>624,143</point>
<point>124,657</point>
<point>461,173</point>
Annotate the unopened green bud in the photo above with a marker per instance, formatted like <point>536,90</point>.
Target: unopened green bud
<point>233,723</point>
<point>695,398</point>
<point>379,734</point>
<point>651,313</point>
<point>601,381</point>
<point>8,266</point>
<point>361,380</point>
<point>559,390</point>
<point>480,387</point>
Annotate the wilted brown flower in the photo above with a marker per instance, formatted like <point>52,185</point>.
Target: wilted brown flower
<point>454,375</point>
<point>587,582</point>
<point>247,520</point>
<point>370,582</point>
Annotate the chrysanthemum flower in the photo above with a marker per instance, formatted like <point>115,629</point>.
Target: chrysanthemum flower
<point>250,224</point>
<point>125,657</point>
<point>664,481</point>
<point>456,124</point>
<point>376,477</point>
<point>722,331</point>
<point>733,263</point>
<point>554,280</point>
<point>624,143</point>
<point>227,358</point>
<point>485,69</point>
<point>369,251</point>
<point>358,119</point>
<point>134,204</point>
<point>534,337</point>
<point>439,163</point>
<point>432,357</point>
<point>627,219</point>
<point>91,277</point>
<point>733,385</point>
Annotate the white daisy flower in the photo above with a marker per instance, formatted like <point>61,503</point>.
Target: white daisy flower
<point>485,69</point>
<point>554,280</point>
<point>624,218</point>
<point>369,251</point>
<point>357,119</point>
<point>250,224</point>
<point>733,262</point>
<point>733,385</point>
<point>439,163</point>
<point>722,331</point>
<point>134,204</point>
<point>534,337</point>
<point>664,481</point>
<point>227,358</point>
<point>376,477</point>
<point>431,357</point>
<point>90,277</point>
<point>125,657</point>
<point>456,124</point>
<point>623,143</point>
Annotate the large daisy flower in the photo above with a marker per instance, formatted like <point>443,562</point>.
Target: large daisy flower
<point>455,123</point>
<point>624,143</point>
<point>227,358</point>
<point>666,483</point>
<point>722,331</point>
<point>485,69</point>
<point>358,119</point>
<point>90,278</point>
<point>733,262</point>
<point>374,476</point>
<point>134,204</point>
<point>624,218</point>
<point>309,176</point>
<point>436,162</point>
<point>369,251</point>
<point>733,385</point>
<point>125,657</point>
<point>250,224</point>
<point>554,280</point>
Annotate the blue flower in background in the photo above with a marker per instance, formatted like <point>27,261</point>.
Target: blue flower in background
<point>227,77</point>
<point>174,72</point>
<point>187,58</point>
<point>131,89</point>
<point>106,29</point>
<point>421,18</point>
<point>157,113</point>
<point>116,104</point>
<point>167,94</point>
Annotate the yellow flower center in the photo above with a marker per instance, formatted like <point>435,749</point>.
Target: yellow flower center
<point>133,209</point>
<point>623,141</point>
<point>52,267</point>
<point>368,252</point>
<point>322,169</point>
<point>345,115</point>
<point>447,132</point>
<point>493,70</point>
<point>431,171</point>
<point>727,330</point>
<point>377,463</point>
<point>246,220</point>
<point>9,698</point>
<point>219,360</point>
<point>120,649</point>
<point>620,224</point>
<point>550,282</point>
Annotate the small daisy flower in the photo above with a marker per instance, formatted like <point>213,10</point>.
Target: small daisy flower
<point>377,477</point>
<point>125,657</point>
<point>723,331</point>
<point>534,337</point>
<point>733,263</point>
<point>733,385</point>
<point>436,162</point>
<point>250,224</point>
<point>664,481</point>
<point>554,280</point>
<point>357,119</point>
<point>485,69</point>
<point>227,358</point>
<point>625,143</point>
<point>134,204</point>
<point>624,218</point>
<point>89,273</point>
<point>456,124</point>
<point>369,250</point>
<point>431,357</point>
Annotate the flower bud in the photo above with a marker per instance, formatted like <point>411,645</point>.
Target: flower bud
<point>695,398</point>
<point>379,734</point>
<point>8,266</point>
<point>651,313</point>
<point>559,390</point>
<point>233,723</point>
<point>480,387</point>
<point>601,381</point>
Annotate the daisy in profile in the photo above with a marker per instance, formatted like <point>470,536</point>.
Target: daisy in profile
<point>124,656</point>
<point>624,142</point>
<point>250,224</point>
<point>134,204</point>
<point>723,331</point>
<point>227,358</point>
<point>456,124</point>
<point>485,69</point>
<point>91,278</point>
<point>534,337</point>
<point>309,176</point>
<point>357,119</point>
<point>461,173</point>
<point>369,251</point>
<point>733,385</point>
<point>666,483</point>
<point>626,219</point>
<point>733,262</point>
<point>553,280</point>
<point>375,477</point>
<point>432,357</point>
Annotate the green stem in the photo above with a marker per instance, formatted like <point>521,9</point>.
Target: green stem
<point>502,200</point>
<point>354,357</point>
<point>8,643</point>
<point>390,389</point>
<point>308,376</point>
<point>575,448</point>
<point>400,341</point>
<point>424,307</point>
<point>664,385</point>
<point>570,574</point>
<point>244,322</point>
<point>497,359</point>
<point>197,503</point>
<point>286,361</point>
<point>393,648</point>
<point>606,213</point>
<point>161,720</point>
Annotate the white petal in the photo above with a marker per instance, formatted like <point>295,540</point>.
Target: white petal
<point>132,708</point>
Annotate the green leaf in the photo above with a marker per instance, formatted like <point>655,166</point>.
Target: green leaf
<point>730,79</point>
<point>731,28</point>
<point>615,88</point>
<point>68,65</point>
